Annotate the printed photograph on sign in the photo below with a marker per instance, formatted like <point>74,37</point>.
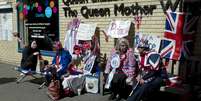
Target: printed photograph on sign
<point>118,29</point>
<point>91,84</point>
<point>115,61</point>
<point>86,31</point>
<point>153,41</point>
<point>89,64</point>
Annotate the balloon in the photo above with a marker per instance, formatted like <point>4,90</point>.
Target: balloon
<point>54,10</point>
<point>17,4</point>
<point>36,4</point>
<point>25,6</point>
<point>25,11</point>
<point>40,9</point>
<point>51,4</point>
<point>21,16</point>
<point>20,7</point>
<point>28,7</point>
<point>48,12</point>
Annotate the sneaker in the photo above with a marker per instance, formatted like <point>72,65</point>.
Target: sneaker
<point>112,96</point>
<point>16,68</point>
<point>22,74</point>
<point>119,98</point>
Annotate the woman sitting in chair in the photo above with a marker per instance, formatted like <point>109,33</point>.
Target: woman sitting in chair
<point>30,56</point>
<point>120,69</point>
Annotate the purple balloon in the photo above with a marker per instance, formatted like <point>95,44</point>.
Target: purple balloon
<point>25,11</point>
<point>39,9</point>
<point>54,10</point>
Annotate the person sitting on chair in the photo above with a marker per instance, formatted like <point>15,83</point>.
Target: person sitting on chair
<point>30,57</point>
<point>120,70</point>
<point>60,62</point>
<point>151,74</point>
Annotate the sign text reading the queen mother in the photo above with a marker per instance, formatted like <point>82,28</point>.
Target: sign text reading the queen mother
<point>119,9</point>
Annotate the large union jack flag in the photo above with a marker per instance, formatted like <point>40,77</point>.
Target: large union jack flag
<point>174,46</point>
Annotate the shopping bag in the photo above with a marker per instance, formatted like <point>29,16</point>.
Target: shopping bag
<point>54,89</point>
<point>92,84</point>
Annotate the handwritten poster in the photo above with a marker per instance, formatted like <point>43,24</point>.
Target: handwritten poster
<point>86,31</point>
<point>153,41</point>
<point>118,29</point>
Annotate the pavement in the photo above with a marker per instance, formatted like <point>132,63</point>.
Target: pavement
<point>27,90</point>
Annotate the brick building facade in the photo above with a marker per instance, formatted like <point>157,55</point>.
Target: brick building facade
<point>100,12</point>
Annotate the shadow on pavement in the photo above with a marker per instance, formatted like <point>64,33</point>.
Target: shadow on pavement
<point>38,81</point>
<point>7,80</point>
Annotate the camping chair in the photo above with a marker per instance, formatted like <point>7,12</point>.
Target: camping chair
<point>43,73</point>
<point>25,73</point>
<point>44,83</point>
<point>51,71</point>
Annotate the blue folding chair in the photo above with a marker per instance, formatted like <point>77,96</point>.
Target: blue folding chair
<point>24,73</point>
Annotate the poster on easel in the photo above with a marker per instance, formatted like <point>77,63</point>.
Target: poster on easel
<point>86,31</point>
<point>118,29</point>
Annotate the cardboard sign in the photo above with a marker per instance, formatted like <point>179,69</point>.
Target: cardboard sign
<point>89,64</point>
<point>86,31</point>
<point>118,29</point>
<point>91,84</point>
<point>153,41</point>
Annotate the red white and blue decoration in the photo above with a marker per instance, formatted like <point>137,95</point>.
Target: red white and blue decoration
<point>175,46</point>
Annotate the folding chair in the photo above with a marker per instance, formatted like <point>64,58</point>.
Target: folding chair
<point>42,72</point>
<point>44,82</point>
<point>25,73</point>
<point>42,85</point>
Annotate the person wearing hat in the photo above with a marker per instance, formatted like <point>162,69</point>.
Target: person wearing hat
<point>150,73</point>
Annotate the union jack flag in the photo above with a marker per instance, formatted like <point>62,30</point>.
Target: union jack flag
<point>167,48</point>
<point>175,47</point>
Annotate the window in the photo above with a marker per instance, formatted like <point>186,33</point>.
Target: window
<point>39,20</point>
<point>6,22</point>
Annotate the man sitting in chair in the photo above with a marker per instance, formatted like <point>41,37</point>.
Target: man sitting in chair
<point>59,63</point>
